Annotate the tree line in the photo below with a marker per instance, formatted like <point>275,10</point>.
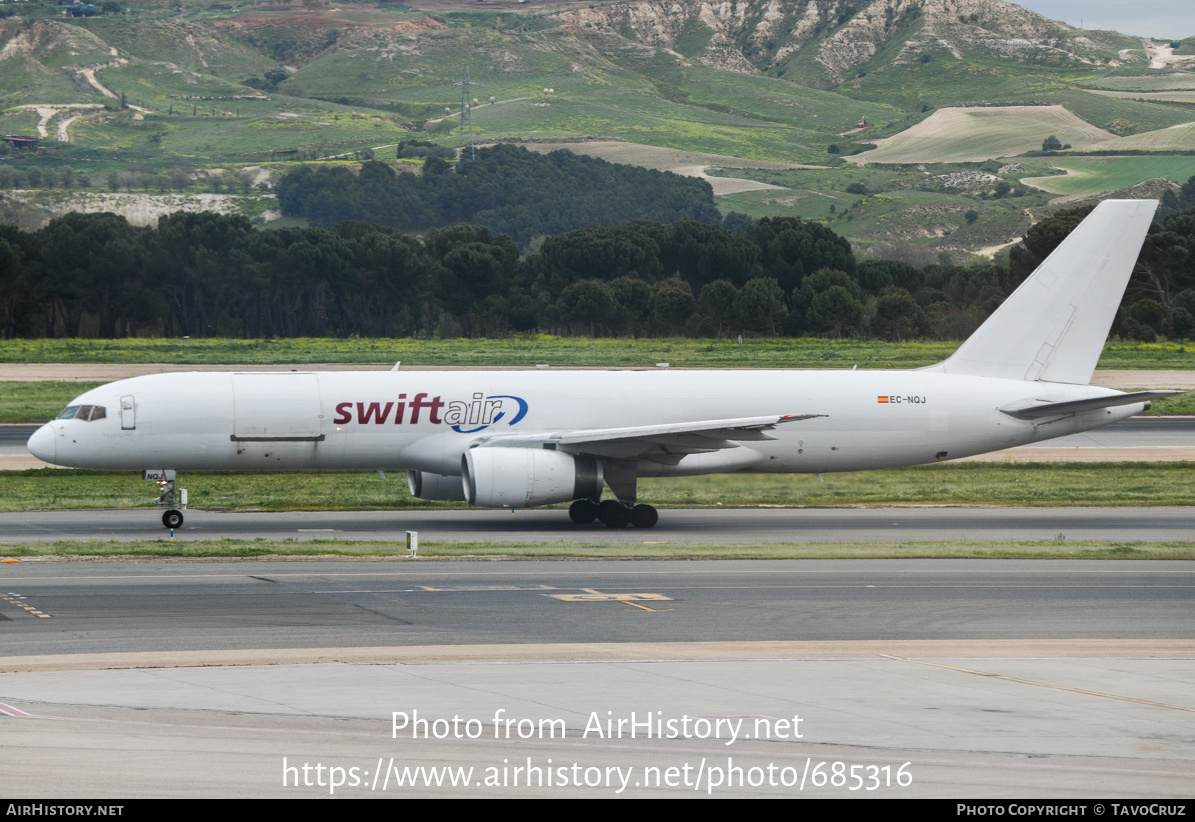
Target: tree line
<point>205,274</point>
<point>507,189</point>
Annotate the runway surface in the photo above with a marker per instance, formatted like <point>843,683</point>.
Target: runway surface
<point>693,526</point>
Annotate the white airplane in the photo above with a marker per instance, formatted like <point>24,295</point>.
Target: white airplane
<point>516,439</point>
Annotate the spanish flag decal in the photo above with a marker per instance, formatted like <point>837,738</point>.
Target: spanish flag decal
<point>881,399</point>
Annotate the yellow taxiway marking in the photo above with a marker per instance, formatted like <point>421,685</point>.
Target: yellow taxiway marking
<point>1039,684</point>
<point>645,608</point>
<point>592,595</point>
<point>468,588</point>
<point>15,601</point>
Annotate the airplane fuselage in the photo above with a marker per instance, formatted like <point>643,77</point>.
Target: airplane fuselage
<point>426,421</point>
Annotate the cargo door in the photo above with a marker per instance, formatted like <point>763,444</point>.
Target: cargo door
<point>276,408</point>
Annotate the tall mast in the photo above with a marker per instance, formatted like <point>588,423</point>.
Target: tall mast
<point>466,119</point>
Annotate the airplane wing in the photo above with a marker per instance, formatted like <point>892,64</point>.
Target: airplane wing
<point>1055,409</point>
<point>667,441</point>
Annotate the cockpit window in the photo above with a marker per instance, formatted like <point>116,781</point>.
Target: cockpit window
<point>87,413</point>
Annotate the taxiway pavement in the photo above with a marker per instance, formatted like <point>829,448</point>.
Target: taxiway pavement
<point>165,607</point>
<point>925,678</point>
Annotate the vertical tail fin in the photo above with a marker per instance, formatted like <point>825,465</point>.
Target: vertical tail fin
<point>1053,327</point>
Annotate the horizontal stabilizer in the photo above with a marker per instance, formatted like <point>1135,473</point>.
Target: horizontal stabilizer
<point>1054,409</point>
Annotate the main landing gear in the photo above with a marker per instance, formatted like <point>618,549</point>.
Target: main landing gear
<point>616,513</point>
<point>613,514</point>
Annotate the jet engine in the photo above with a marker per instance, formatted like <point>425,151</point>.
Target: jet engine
<point>499,477</point>
<point>425,485</point>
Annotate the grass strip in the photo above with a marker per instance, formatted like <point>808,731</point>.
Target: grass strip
<point>38,401</point>
<point>530,349</point>
<point>966,483</point>
<point>970,549</point>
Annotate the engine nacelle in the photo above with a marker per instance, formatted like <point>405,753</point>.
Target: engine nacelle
<point>527,477</point>
<point>425,485</point>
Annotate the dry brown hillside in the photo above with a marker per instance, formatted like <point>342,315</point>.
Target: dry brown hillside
<point>753,35</point>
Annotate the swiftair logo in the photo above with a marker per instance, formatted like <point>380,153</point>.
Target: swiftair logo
<point>480,413</point>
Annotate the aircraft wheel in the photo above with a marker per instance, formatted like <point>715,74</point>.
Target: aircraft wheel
<point>172,519</point>
<point>644,516</point>
<point>583,511</point>
<point>614,514</point>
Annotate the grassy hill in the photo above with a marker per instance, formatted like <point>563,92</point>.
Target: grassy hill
<point>959,135</point>
<point>192,88</point>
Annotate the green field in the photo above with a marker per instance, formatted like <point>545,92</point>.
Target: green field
<point>1089,176</point>
<point>1175,96</point>
<point>810,193</point>
<point>532,349</point>
<point>890,216</point>
<point>657,100</point>
<point>650,121</point>
<point>201,131</point>
<point>900,203</point>
<point>1146,83</point>
<point>977,75</point>
<point>1180,137</point>
<point>170,40</point>
<point>1088,484</point>
<point>38,401</point>
<point>519,351</point>
<point>807,204</point>
<point>1118,115</point>
<point>655,549</point>
<point>157,85</point>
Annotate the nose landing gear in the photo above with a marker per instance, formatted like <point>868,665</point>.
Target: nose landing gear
<point>175,500</point>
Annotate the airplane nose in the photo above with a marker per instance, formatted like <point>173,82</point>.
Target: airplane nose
<point>41,444</point>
